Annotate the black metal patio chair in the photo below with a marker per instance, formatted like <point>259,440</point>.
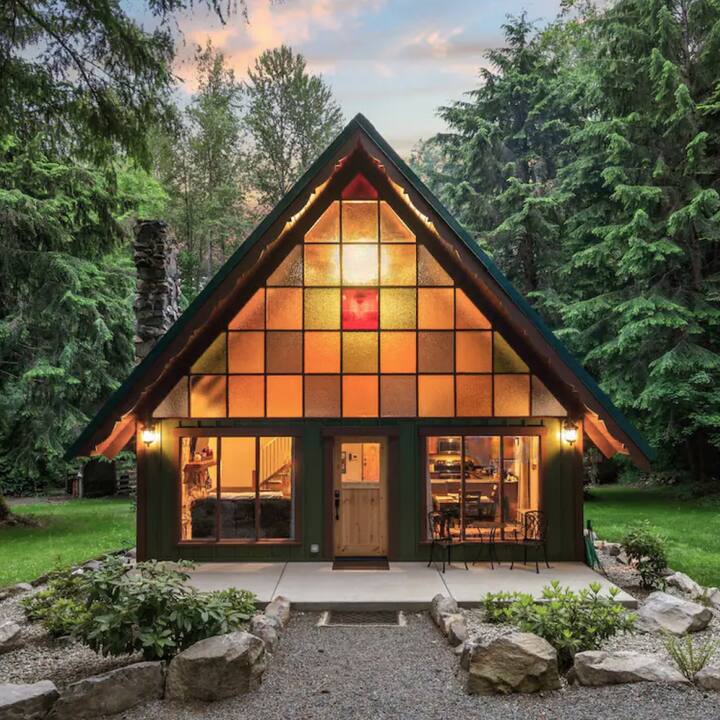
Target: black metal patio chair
<point>532,535</point>
<point>440,537</point>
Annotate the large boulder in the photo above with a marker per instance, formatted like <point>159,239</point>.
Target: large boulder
<point>598,667</point>
<point>709,677</point>
<point>440,606</point>
<point>267,629</point>
<point>662,612</point>
<point>514,663</point>
<point>684,583</point>
<point>27,702</point>
<point>279,608</point>
<point>217,667</point>
<point>112,692</point>
<point>713,597</point>
<point>10,637</point>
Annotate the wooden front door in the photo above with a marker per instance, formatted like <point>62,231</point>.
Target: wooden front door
<point>360,497</point>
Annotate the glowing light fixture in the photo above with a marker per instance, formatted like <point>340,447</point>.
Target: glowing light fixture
<point>569,432</point>
<point>150,435</point>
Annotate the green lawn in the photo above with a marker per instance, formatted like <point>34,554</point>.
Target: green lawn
<point>71,532</point>
<point>691,525</point>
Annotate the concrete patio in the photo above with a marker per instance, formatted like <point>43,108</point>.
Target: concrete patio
<point>409,586</point>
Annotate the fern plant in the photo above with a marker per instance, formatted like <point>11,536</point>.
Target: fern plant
<point>690,657</point>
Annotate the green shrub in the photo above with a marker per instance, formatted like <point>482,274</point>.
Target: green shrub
<point>570,621</point>
<point>689,657</point>
<point>646,548</point>
<point>60,606</point>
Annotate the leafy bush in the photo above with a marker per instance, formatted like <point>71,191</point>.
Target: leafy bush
<point>646,549</point>
<point>570,621</point>
<point>689,657</point>
<point>60,607</point>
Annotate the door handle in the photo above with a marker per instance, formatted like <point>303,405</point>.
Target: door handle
<point>337,504</point>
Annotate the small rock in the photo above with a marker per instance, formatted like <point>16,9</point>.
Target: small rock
<point>622,557</point>
<point>132,553</point>
<point>10,637</point>
<point>455,628</point>
<point>598,667</point>
<point>14,590</point>
<point>684,583</point>
<point>664,612</point>
<point>442,605</point>
<point>279,608</point>
<point>713,597</point>
<point>92,565</point>
<point>267,630</point>
<point>709,677</point>
<point>27,702</point>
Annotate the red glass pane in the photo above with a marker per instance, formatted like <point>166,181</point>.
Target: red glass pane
<point>359,188</point>
<point>360,309</point>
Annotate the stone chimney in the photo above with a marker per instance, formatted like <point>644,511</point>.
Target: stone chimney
<point>155,253</point>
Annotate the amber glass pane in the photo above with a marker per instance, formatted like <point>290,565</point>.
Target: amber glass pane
<point>290,270</point>
<point>214,359</point>
<point>284,308</point>
<point>359,188</point>
<point>322,264</point>
<point>397,265</point>
<point>473,351</point>
<point>359,309</point>
<point>246,395</point>
<point>199,486</point>
<point>322,352</point>
<point>397,309</point>
<point>435,352</point>
<point>435,308</point>
<point>397,396</point>
<point>326,227</point>
<point>512,395</point>
<point>359,221</point>
<point>436,396</point>
<point>322,309</point>
<point>544,402</point>
<point>360,352</point>
<point>246,352</point>
<point>430,271</point>
<point>252,315</point>
<point>360,395</point>
<point>322,396</point>
<point>207,396</point>
<point>505,359</point>
<point>284,395</point>
<point>397,352</point>
<point>360,264</point>
<point>392,228</point>
<point>175,403</point>
<point>467,316</point>
<point>238,478</point>
<point>284,352</point>
<point>474,395</point>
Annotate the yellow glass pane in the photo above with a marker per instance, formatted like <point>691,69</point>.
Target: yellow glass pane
<point>246,395</point>
<point>435,352</point>
<point>284,352</point>
<point>284,395</point>
<point>544,402</point>
<point>246,352</point>
<point>397,309</point>
<point>284,308</point>
<point>322,265</point>
<point>360,395</point>
<point>398,396</point>
<point>505,359</point>
<point>360,352</point>
<point>322,396</point>
<point>435,308</point>
<point>436,396</point>
<point>473,351</point>
<point>214,359</point>
<point>322,309</point>
<point>392,228</point>
<point>175,403</point>
<point>360,264</point>
<point>397,265</point>
<point>207,396</point>
<point>359,221</point>
<point>512,395</point>
<point>474,395</point>
<point>290,270</point>
<point>467,315</point>
<point>430,271</point>
<point>397,352</point>
<point>322,352</point>
<point>252,314</point>
<point>326,227</point>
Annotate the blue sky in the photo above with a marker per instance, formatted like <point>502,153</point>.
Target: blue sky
<point>395,61</point>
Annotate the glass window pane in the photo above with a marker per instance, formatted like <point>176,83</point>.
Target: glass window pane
<point>397,265</point>
<point>277,513</point>
<point>207,396</point>
<point>252,314</point>
<point>436,396</point>
<point>359,309</point>
<point>392,228</point>
<point>246,352</point>
<point>175,403</point>
<point>214,359</point>
<point>397,309</point>
<point>473,351</point>
<point>322,265</point>
<point>443,483</point>
<point>237,488</point>
<point>322,352</point>
<point>397,396</point>
<point>360,265</point>
<point>284,352</point>
<point>521,484</point>
<point>544,402</point>
<point>322,396</point>
<point>430,272</point>
<point>284,395</point>
<point>435,352</point>
<point>435,308</point>
<point>397,352</point>
<point>360,352</point>
<point>359,221</point>
<point>505,359</point>
<point>359,188</point>
<point>284,308</point>
<point>482,484</point>
<point>360,395</point>
<point>326,227</point>
<point>246,396</point>
<point>322,309</point>
<point>198,478</point>
<point>467,315</point>
<point>474,395</point>
<point>512,395</point>
<point>360,462</point>
<point>290,270</point>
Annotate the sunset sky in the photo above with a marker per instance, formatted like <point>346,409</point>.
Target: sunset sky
<point>395,61</point>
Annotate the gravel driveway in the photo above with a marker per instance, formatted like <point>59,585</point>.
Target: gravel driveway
<point>411,673</point>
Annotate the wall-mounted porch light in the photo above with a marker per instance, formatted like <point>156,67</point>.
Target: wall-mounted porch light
<point>569,432</point>
<point>150,435</point>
